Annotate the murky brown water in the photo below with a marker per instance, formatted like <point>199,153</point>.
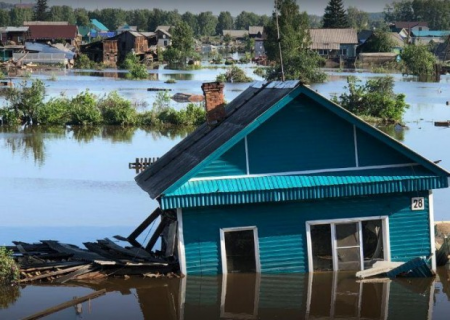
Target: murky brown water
<point>240,296</point>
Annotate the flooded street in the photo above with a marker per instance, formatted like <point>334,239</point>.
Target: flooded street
<point>240,296</point>
<point>74,185</point>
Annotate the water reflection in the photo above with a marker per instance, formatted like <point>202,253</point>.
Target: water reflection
<point>251,296</point>
<point>31,141</point>
<point>8,295</point>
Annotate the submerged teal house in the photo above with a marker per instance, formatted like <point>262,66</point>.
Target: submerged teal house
<point>282,180</point>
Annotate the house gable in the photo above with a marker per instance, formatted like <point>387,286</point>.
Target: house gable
<point>255,108</point>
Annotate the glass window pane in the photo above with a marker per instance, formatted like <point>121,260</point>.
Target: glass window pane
<point>347,235</point>
<point>349,259</point>
<point>321,247</point>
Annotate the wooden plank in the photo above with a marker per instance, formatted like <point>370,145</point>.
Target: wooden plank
<point>142,254</point>
<point>97,248</point>
<point>78,253</point>
<point>51,265</point>
<point>152,217</point>
<point>171,239</point>
<point>157,233</point>
<point>65,305</point>
<point>379,268</point>
<point>50,274</point>
<point>85,269</point>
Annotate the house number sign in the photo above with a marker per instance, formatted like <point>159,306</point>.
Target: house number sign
<point>417,203</point>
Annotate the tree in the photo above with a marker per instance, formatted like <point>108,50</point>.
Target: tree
<point>19,15</point>
<point>182,41</point>
<point>192,20</point>
<point>4,18</point>
<point>40,10</point>
<point>380,41</point>
<point>207,23</point>
<point>335,16</point>
<point>246,19</point>
<point>300,63</point>
<point>81,16</point>
<point>225,22</point>
<point>357,19</point>
<point>62,13</point>
<point>418,61</point>
<point>376,98</point>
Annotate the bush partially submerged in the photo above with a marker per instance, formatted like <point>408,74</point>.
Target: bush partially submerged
<point>233,74</point>
<point>9,271</point>
<point>375,98</point>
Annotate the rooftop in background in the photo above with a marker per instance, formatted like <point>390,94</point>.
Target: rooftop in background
<point>45,23</point>
<point>437,33</point>
<point>99,26</point>
<point>331,38</point>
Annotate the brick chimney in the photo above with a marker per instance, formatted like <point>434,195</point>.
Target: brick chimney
<point>214,102</point>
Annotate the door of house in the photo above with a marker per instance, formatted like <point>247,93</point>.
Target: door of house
<point>347,245</point>
<point>240,250</point>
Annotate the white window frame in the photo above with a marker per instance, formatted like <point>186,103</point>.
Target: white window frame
<point>333,223</point>
<point>223,249</point>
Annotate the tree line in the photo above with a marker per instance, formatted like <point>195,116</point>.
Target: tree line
<point>435,12</point>
<point>202,24</point>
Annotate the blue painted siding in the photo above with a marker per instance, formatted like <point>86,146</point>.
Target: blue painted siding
<point>301,136</point>
<point>373,152</point>
<point>281,229</point>
<point>231,163</point>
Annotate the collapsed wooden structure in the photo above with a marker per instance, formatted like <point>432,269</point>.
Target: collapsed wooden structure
<point>53,261</point>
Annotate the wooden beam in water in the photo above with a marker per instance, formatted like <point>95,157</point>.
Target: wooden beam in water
<point>157,233</point>
<point>65,305</point>
<point>137,232</point>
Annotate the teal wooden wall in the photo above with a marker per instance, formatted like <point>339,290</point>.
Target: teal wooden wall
<point>231,163</point>
<point>281,229</point>
<point>372,152</point>
<point>302,136</point>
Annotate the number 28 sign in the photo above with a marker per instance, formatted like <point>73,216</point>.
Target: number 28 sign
<point>418,203</point>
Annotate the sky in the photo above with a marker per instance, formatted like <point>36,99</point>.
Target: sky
<point>216,6</point>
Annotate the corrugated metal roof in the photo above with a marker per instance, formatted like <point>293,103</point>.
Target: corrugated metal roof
<point>332,38</point>
<point>204,141</point>
<point>53,32</point>
<point>99,26</point>
<point>291,188</point>
<point>430,33</point>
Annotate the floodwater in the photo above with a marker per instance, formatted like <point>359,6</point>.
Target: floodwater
<point>74,185</point>
<point>239,296</point>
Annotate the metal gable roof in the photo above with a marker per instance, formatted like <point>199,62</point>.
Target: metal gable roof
<point>248,111</point>
<point>205,141</point>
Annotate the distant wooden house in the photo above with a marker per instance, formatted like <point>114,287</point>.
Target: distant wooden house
<point>283,180</point>
<point>257,33</point>
<point>114,50</point>
<point>13,35</point>
<point>238,35</point>
<point>409,26</point>
<point>331,43</point>
<point>164,38</point>
<point>54,33</point>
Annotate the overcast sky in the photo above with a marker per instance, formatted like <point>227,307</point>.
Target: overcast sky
<point>234,6</point>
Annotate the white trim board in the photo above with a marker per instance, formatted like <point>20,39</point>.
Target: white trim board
<point>432,237</point>
<point>296,173</point>
<point>223,253</point>
<point>181,248</point>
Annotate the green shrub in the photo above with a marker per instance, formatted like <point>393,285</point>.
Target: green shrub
<point>25,100</point>
<point>84,110</point>
<point>170,81</point>
<point>116,110</point>
<point>234,74</point>
<point>376,98</point>
<point>9,271</point>
<point>55,112</point>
